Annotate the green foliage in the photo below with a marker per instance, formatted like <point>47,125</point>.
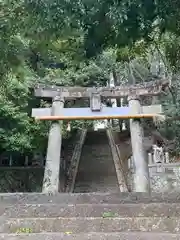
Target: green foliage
<point>24,230</point>
<point>17,131</point>
<point>89,40</point>
<point>109,215</point>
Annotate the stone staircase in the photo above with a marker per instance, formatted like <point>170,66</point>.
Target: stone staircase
<point>96,211</point>
<point>96,172</point>
<point>95,216</point>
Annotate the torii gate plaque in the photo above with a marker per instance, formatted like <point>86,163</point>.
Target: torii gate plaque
<point>134,112</point>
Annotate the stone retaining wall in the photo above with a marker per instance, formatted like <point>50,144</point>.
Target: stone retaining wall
<point>162,181</point>
<point>21,179</point>
<point>166,181</point>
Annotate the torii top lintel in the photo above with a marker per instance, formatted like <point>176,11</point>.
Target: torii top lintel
<point>145,89</point>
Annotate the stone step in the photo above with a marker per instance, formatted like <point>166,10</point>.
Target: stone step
<point>94,198</point>
<point>86,178</point>
<point>98,154</point>
<point>90,210</point>
<point>97,157</point>
<point>95,147</point>
<point>100,174</point>
<point>100,144</point>
<point>97,138</point>
<point>93,161</point>
<point>84,225</point>
<point>92,236</point>
<point>93,188</point>
<point>96,185</point>
<point>96,141</point>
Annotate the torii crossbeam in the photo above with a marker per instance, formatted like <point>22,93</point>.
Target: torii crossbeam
<point>145,89</point>
<point>104,113</point>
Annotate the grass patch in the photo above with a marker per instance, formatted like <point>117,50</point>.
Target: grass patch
<point>24,230</point>
<point>109,215</point>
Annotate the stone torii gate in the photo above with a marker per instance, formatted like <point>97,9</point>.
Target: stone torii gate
<point>134,112</point>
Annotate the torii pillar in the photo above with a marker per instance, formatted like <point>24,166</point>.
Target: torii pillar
<point>141,176</point>
<point>52,167</point>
